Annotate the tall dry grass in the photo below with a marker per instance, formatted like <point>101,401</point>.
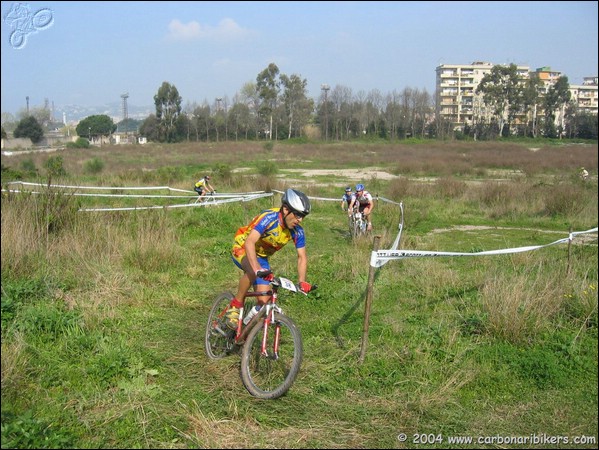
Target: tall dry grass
<point>521,306</point>
<point>46,236</point>
<point>424,158</point>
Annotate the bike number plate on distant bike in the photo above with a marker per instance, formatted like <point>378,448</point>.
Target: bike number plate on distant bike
<point>287,284</point>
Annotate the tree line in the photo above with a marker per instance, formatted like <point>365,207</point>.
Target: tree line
<point>277,107</point>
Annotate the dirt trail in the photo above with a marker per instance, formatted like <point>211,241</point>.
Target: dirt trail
<point>365,173</point>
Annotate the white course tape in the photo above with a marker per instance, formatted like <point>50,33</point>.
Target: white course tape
<point>120,188</point>
<point>214,199</point>
<point>222,200</point>
<point>381,257</point>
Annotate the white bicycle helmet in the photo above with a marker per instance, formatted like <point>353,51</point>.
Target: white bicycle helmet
<point>296,202</point>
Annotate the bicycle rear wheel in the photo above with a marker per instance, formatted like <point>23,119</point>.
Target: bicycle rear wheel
<point>270,376</point>
<point>219,339</point>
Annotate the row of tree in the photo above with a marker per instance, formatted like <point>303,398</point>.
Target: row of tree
<point>276,106</point>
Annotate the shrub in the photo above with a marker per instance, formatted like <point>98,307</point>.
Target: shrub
<point>28,166</point>
<point>564,200</point>
<point>93,166</point>
<point>55,167</point>
<point>267,168</point>
<point>79,143</point>
<point>222,171</point>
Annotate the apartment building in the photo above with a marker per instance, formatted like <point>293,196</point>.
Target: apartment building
<point>457,101</point>
<point>585,95</point>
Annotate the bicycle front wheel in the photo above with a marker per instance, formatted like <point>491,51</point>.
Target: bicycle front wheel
<point>357,228</point>
<point>219,339</point>
<point>269,375</point>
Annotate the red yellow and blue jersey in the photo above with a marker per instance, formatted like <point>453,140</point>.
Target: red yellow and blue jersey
<point>273,234</point>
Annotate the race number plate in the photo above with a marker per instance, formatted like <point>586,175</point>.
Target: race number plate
<point>288,284</point>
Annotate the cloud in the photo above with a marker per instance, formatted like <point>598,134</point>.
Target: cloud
<point>226,30</point>
<point>183,32</point>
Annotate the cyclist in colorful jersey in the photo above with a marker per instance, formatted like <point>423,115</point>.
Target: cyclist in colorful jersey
<point>347,199</point>
<point>202,186</point>
<point>266,234</point>
<point>365,203</point>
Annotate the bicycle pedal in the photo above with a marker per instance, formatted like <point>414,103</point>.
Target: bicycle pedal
<point>219,330</point>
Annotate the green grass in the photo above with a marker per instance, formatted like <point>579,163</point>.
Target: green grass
<point>103,316</point>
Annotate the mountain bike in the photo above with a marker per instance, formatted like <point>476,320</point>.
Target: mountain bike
<point>209,198</point>
<point>357,224</point>
<point>270,343</point>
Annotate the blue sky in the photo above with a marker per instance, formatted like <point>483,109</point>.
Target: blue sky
<point>89,53</point>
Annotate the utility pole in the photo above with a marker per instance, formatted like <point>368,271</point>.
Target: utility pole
<point>216,124</point>
<point>325,88</point>
<point>125,96</point>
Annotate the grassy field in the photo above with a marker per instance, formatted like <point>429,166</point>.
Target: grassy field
<point>103,313</point>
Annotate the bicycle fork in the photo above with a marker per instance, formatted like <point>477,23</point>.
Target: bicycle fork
<point>275,344</point>
<point>267,323</point>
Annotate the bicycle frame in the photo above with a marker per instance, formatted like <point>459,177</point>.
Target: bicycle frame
<point>207,198</point>
<point>267,312</point>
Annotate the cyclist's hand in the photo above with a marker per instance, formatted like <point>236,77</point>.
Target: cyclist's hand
<point>265,274</point>
<point>305,287</point>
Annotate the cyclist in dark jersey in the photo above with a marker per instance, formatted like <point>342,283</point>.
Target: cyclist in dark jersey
<point>347,199</point>
<point>266,234</point>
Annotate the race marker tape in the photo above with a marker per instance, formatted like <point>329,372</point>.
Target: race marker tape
<point>381,257</point>
<point>239,198</point>
<point>214,199</point>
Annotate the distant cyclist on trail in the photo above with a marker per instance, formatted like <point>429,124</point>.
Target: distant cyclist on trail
<point>583,173</point>
<point>266,234</point>
<point>202,186</point>
<point>347,199</point>
<point>365,204</point>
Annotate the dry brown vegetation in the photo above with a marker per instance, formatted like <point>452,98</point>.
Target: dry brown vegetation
<point>434,157</point>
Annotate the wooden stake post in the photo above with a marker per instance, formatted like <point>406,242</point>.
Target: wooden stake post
<point>368,303</point>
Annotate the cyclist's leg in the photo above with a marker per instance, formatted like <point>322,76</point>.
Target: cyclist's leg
<point>260,285</point>
<point>199,192</point>
<point>245,282</point>
<point>367,210</point>
<point>238,257</point>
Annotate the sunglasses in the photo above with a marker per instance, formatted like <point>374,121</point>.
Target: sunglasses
<point>299,215</point>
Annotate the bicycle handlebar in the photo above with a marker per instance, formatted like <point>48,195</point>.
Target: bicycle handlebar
<point>289,285</point>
